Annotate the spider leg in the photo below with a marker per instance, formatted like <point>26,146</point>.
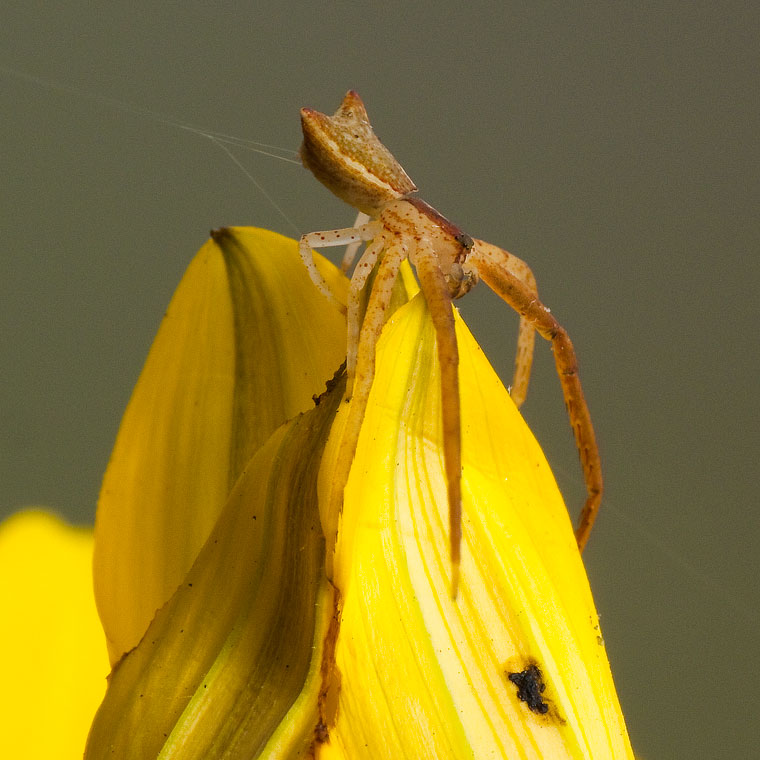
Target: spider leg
<point>436,291</point>
<point>361,273</point>
<point>326,239</point>
<point>522,299</point>
<point>348,256</point>
<point>526,336</point>
<point>372,326</point>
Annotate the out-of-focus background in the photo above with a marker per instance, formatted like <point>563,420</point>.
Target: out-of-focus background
<point>612,145</point>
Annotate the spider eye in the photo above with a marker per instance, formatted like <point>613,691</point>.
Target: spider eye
<point>464,240</point>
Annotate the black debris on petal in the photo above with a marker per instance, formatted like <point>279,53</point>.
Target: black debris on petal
<point>530,687</point>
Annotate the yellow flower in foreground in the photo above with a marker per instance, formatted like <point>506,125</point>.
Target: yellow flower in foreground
<point>52,653</point>
<point>515,667</point>
<point>211,558</point>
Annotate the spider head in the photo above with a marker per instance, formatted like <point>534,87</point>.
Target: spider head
<point>344,154</point>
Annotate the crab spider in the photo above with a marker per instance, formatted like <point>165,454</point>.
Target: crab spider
<point>344,154</point>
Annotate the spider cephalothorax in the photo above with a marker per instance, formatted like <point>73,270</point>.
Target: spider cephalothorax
<point>345,155</point>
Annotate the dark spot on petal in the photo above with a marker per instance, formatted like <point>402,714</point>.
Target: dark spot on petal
<point>321,733</point>
<point>530,686</point>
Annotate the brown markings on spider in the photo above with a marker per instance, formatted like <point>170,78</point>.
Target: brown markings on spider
<point>344,154</point>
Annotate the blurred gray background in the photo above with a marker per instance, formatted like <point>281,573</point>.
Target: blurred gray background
<point>611,145</point>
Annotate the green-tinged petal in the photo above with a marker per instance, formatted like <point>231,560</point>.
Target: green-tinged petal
<point>52,652</point>
<point>221,667</point>
<point>422,676</point>
<point>244,345</point>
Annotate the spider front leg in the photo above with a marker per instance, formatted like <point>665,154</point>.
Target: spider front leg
<point>326,239</point>
<point>438,298</point>
<point>371,327</point>
<point>492,264</point>
<point>353,318</point>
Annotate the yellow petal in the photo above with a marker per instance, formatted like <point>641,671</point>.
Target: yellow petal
<point>221,667</point>
<point>52,651</point>
<point>423,676</point>
<point>244,345</point>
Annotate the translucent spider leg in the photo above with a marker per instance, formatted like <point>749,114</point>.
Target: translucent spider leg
<point>348,256</point>
<point>493,266</point>
<point>326,239</point>
<point>436,291</point>
<point>353,318</point>
<point>372,325</point>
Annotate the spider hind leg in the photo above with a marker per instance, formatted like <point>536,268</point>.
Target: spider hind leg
<point>493,265</point>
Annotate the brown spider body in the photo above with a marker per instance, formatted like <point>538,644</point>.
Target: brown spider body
<point>344,153</point>
<point>415,224</point>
